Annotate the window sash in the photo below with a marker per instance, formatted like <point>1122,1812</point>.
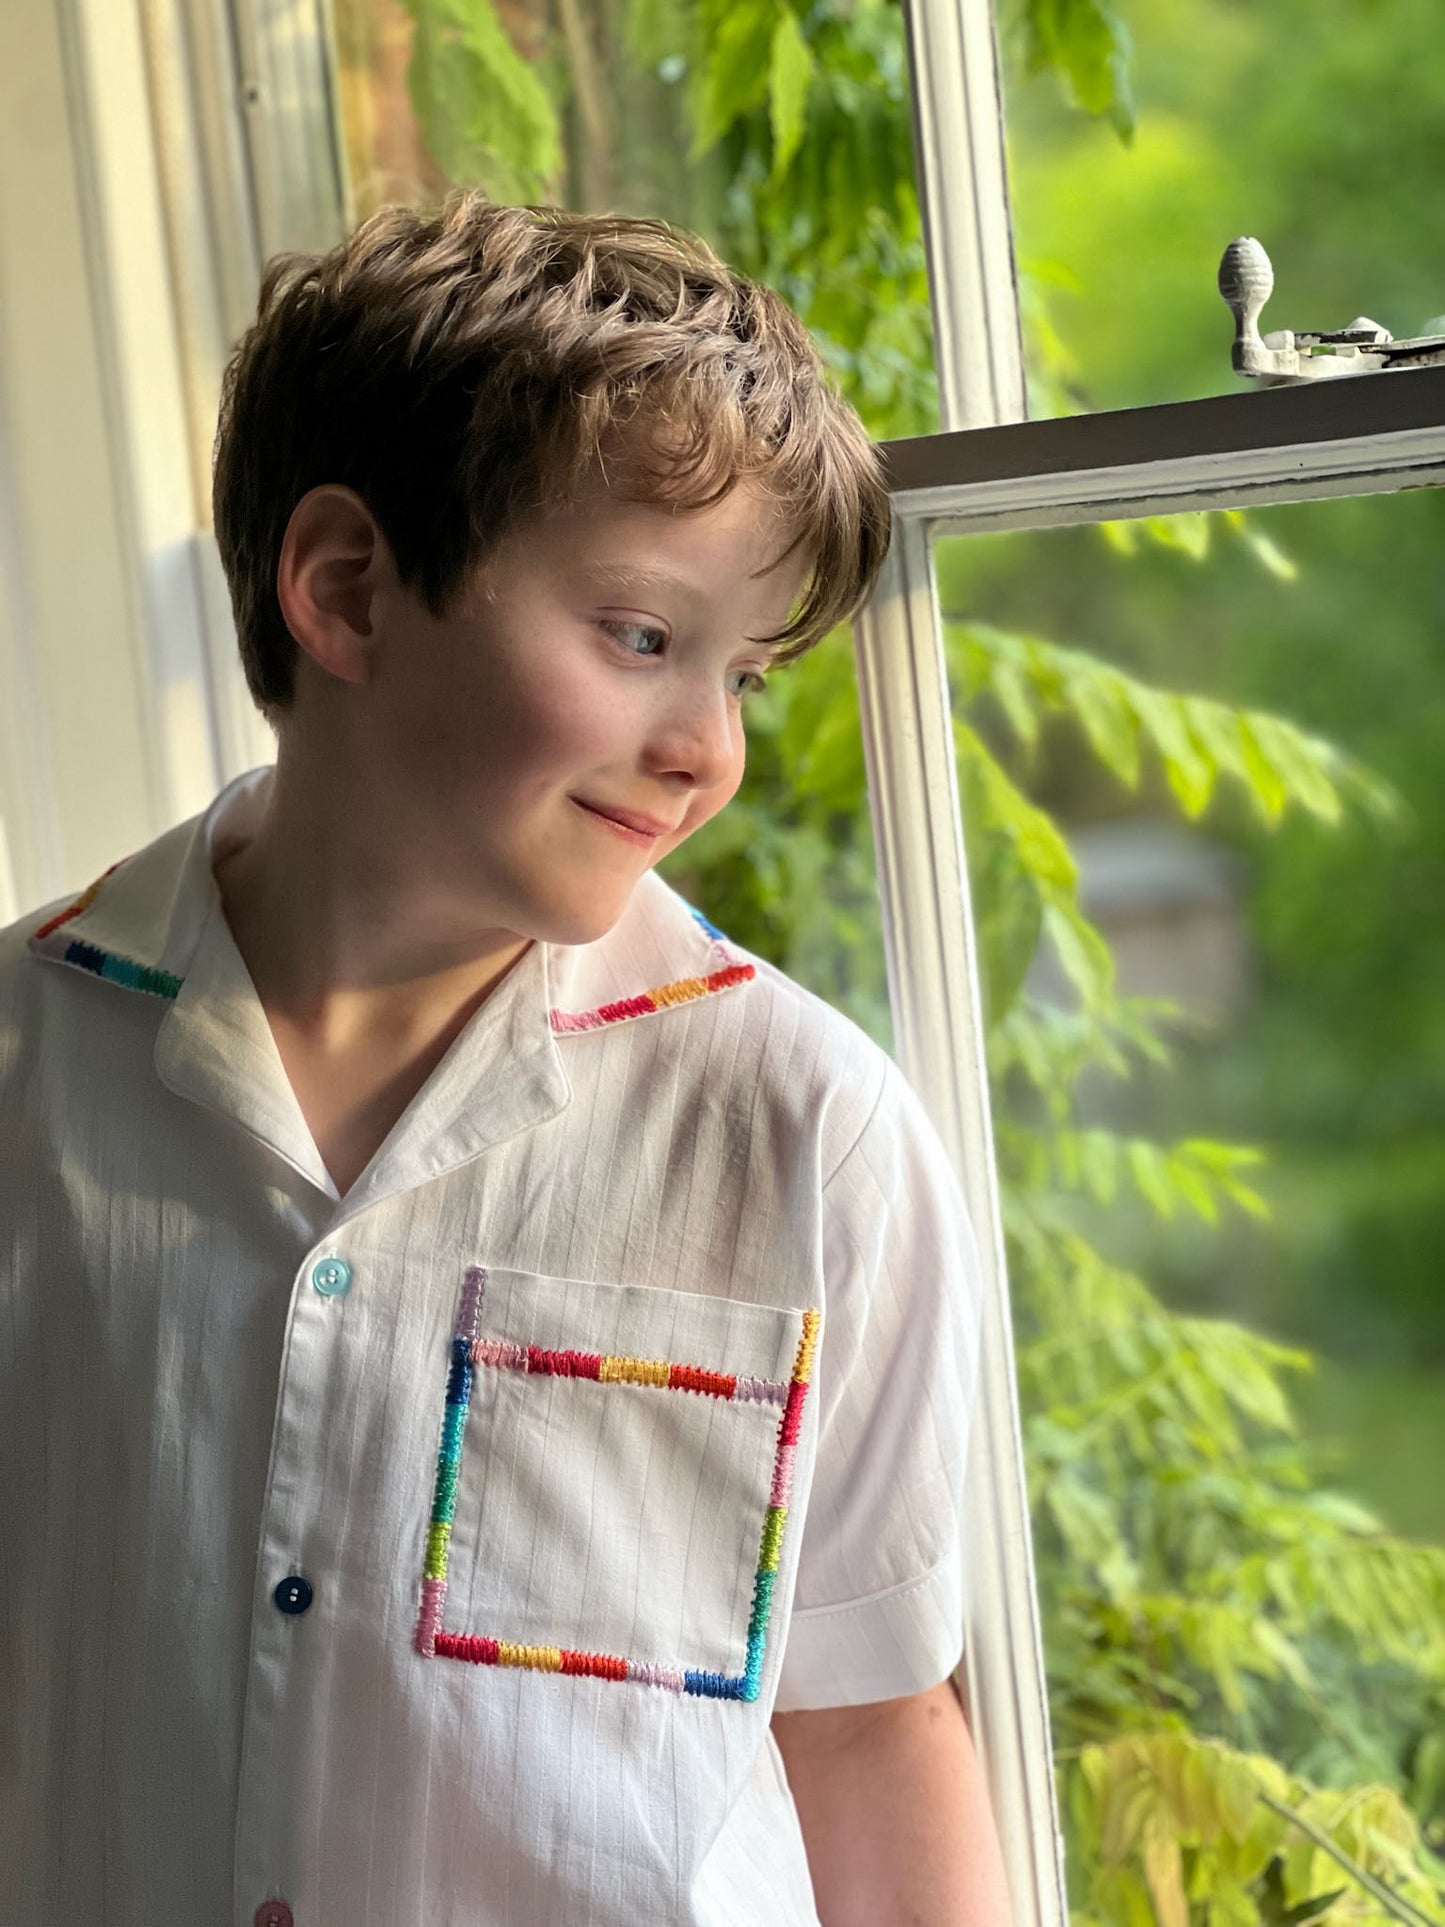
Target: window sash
<point>1223,452</point>
<point>1354,435</point>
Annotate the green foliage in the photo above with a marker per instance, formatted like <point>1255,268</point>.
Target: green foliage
<point>1088,46</point>
<point>1246,1671</point>
<point>485,112</point>
<point>1205,1824</point>
<point>1198,740</point>
<point>807,109</point>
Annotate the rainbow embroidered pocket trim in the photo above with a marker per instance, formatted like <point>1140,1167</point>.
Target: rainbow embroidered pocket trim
<point>469,1353</point>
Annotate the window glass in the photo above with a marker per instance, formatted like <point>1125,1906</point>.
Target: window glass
<point>1160,130</point>
<point>1198,765</point>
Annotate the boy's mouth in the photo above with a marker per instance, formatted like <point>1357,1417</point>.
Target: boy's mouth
<point>630,823</point>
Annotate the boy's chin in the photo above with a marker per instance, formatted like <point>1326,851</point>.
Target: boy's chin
<point>579,922</point>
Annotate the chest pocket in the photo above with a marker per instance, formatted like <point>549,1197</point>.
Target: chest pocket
<point>613,1481</point>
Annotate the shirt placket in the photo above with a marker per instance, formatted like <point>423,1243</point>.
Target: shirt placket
<point>293,1599</point>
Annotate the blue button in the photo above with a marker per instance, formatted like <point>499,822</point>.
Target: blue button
<point>293,1595</point>
<point>331,1276</point>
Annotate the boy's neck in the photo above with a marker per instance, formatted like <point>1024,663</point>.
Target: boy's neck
<point>335,945</point>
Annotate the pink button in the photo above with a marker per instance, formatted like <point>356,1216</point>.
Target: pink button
<point>273,1913</point>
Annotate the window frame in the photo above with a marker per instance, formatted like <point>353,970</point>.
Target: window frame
<point>1291,444</point>
<point>990,470</point>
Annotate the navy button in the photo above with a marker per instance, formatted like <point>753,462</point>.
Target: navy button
<point>293,1595</point>
<point>331,1277</point>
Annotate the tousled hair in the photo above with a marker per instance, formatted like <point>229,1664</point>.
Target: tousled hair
<point>465,368</point>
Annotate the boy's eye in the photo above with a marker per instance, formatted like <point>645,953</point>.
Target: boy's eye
<point>615,625</point>
<point>619,628</point>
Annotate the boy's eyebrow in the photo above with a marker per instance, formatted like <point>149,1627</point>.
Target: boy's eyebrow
<point>641,575</point>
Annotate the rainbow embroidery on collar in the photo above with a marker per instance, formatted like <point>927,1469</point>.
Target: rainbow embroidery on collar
<point>470,1352</point>
<point>683,991</point>
<point>49,941</point>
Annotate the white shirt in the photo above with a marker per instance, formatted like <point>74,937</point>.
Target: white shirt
<point>436,1555</point>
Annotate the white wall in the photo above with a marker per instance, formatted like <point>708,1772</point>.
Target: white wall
<point>119,704</point>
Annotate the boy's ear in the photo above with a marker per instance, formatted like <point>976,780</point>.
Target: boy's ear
<point>334,558</point>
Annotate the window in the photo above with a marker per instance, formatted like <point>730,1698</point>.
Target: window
<point>1160,468</point>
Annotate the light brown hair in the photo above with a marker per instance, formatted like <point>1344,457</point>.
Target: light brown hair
<point>465,368</point>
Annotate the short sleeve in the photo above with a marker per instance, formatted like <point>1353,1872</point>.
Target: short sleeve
<point>878,1607</point>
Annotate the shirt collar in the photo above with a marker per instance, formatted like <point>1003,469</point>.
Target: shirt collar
<point>153,925</point>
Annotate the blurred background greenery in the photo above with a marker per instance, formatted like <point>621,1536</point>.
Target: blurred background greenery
<point>1312,128</point>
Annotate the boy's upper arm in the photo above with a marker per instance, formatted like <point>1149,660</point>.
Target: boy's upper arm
<point>878,1607</point>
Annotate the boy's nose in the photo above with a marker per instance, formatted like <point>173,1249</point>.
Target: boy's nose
<point>697,738</point>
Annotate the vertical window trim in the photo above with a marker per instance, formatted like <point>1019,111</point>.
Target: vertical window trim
<point>285,54</point>
<point>934,994</point>
<point>960,172</point>
<point>960,169</point>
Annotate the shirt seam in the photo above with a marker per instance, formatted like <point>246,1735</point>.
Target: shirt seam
<point>865,1127</point>
<point>904,1587</point>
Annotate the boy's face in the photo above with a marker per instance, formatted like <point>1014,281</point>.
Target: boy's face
<point>602,662</point>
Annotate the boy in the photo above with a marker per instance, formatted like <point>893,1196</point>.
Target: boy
<point>485,1361</point>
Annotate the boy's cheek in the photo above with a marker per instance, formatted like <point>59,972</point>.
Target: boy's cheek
<point>703,811</point>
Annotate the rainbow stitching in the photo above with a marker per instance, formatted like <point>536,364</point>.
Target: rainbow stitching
<point>131,975</point>
<point>468,1352</point>
<point>82,902</point>
<point>100,963</point>
<point>684,991</point>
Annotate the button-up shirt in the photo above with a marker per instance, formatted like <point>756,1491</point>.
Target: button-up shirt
<point>436,1555</point>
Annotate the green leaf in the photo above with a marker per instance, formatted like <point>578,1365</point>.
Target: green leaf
<point>484,112</point>
<point>1087,961</point>
<point>1167,719</point>
<point>1149,1167</point>
<point>737,73</point>
<point>789,81</point>
<point>1187,531</point>
<point>1099,700</point>
<point>1263,547</point>
<point>1301,764</point>
<point>1089,46</point>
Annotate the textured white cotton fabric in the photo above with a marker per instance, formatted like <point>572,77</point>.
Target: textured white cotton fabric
<point>186,1420</point>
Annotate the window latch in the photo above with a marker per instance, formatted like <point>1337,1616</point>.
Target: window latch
<point>1246,280</point>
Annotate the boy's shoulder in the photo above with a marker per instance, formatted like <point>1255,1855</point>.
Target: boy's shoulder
<point>137,925</point>
<point>774,997</point>
<point>20,986</point>
<point>807,1055</point>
